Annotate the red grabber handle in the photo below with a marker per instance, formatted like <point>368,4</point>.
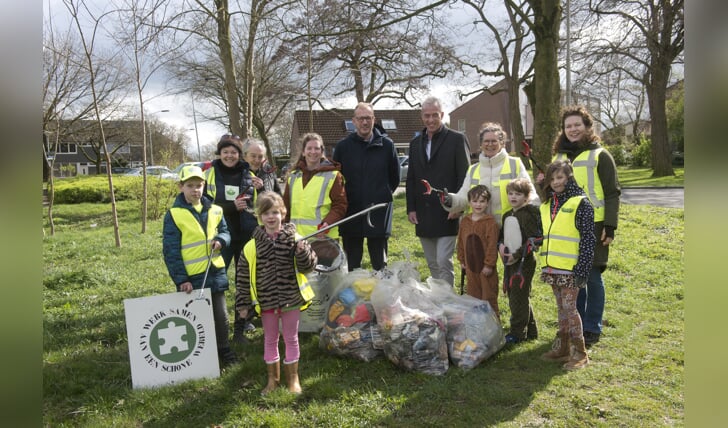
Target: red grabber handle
<point>429,189</point>
<point>527,153</point>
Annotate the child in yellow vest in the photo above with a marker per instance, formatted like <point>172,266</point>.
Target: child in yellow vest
<point>566,255</point>
<point>271,280</point>
<point>194,232</point>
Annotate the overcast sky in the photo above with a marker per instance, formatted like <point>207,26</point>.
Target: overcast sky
<point>180,106</point>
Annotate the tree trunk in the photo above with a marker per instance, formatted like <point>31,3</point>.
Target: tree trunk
<point>661,153</point>
<point>546,89</point>
<point>226,57</point>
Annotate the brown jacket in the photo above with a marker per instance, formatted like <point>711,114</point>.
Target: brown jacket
<point>477,243</point>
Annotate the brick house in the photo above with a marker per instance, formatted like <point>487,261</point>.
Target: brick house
<point>492,106</point>
<point>333,125</point>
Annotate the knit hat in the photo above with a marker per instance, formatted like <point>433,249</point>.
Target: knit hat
<point>229,140</point>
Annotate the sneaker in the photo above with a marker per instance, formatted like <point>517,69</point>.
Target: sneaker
<point>227,357</point>
<point>512,339</point>
<point>590,338</point>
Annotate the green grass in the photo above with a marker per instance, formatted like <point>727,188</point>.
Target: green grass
<point>642,177</point>
<point>636,375</point>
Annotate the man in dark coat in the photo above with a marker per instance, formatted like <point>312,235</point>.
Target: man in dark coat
<point>442,157</point>
<point>371,174</point>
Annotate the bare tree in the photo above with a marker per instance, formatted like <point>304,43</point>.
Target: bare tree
<point>68,101</point>
<point>371,49</point>
<point>514,47</point>
<point>74,7</point>
<point>137,32</point>
<point>650,33</point>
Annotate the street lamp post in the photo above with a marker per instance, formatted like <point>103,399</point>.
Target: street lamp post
<point>197,135</point>
<point>151,146</point>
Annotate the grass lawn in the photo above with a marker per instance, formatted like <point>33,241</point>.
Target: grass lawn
<point>642,177</point>
<point>636,375</point>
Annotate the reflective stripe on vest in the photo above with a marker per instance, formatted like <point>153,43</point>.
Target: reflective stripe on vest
<point>212,187</point>
<point>303,286</point>
<point>196,242</point>
<point>210,181</point>
<point>560,248</point>
<point>508,172</point>
<point>312,202</point>
<point>586,176</point>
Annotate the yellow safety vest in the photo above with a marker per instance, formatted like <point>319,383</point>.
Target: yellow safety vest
<point>586,176</point>
<point>212,187</point>
<point>303,286</point>
<point>196,243</point>
<point>313,202</point>
<point>560,248</point>
<point>510,170</point>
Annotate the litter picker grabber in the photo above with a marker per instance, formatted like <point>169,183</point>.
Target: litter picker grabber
<point>518,275</point>
<point>429,189</point>
<point>366,211</point>
<point>204,281</point>
<point>527,153</point>
<point>462,280</point>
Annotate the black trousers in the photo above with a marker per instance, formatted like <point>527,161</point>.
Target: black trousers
<point>354,249</point>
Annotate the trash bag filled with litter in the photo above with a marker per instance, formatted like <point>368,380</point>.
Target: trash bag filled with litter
<point>413,328</point>
<point>350,327</point>
<point>474,333</point>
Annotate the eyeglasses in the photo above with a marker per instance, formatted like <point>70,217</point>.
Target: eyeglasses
<point>364,118</point>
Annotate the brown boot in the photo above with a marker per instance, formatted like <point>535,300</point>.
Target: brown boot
<point>559,350</point>
<point>579,357</point>
<point>291,371</point>
<point>274,377</point>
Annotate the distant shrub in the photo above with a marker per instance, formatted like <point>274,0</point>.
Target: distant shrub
<point>642,153</point>
<point>619,154</point>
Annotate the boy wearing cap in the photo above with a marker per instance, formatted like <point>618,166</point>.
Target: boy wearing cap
<point>194,233</point>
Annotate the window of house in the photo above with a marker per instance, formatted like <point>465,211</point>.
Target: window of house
<point>389,124</point>
<point>349,124</point>
<point>67,148</point>
<point>461,125</point>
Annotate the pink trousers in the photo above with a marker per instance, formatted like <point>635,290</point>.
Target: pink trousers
<point>289,323</point>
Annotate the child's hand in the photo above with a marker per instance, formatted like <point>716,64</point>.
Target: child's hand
<point>301,246</point>
<point>540,177</point>
<point>186,287</point>
<point>487,271</point>
<point>216,245</point>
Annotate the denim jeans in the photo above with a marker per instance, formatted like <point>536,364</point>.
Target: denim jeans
<point>590,302</point>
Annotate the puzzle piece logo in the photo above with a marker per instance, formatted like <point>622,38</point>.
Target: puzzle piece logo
<point>173,339</point>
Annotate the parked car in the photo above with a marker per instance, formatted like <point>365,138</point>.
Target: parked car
<point>121,169</point>
<point>403,167</point>
<point>202,164</point>
<point>155,171</point>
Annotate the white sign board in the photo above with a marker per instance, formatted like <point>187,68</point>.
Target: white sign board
<point>171,338</point>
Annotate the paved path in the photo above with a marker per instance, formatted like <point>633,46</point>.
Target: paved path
<point>671,197</point>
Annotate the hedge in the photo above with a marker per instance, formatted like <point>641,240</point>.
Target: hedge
<point>94,189</point>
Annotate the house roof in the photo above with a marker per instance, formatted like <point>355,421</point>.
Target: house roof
<point>400,125</point>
